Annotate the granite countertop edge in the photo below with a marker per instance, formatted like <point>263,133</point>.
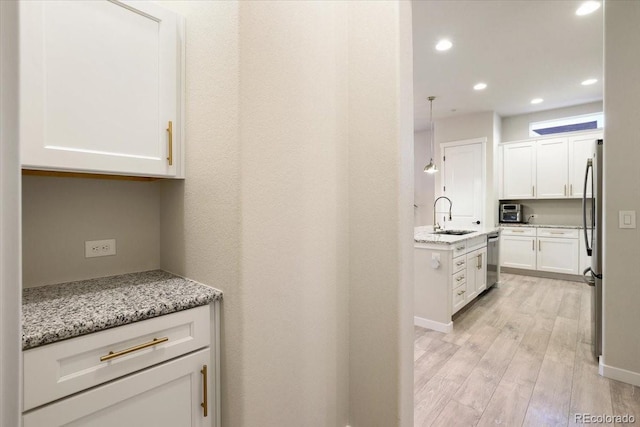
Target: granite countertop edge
<point>516,224</point>
<point>58,312</point>
<point>423,236</point>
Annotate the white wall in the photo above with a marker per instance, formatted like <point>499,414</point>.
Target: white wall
<point>60,214</point>
<point>380,214</point>
<point>470,126</point>
<point>10,289</point>
<point>622,189</point>
<point>276,209</point>
<point>424,183</point>
<point>515,128</point>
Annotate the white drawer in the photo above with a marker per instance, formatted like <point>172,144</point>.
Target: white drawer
<point>457,300</point>
<point>459,278</point>
<point>459,248</point>
<point>459,263</point>
<point>518,231</point>
<point>62,368</point>
<point>567,233</point>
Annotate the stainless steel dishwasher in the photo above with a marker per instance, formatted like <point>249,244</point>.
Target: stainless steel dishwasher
<point>493,258</point>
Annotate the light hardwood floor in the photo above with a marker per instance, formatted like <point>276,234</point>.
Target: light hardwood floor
<point>520,356</point>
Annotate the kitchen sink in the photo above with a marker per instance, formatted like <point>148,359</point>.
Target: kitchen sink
<point>454,232</point>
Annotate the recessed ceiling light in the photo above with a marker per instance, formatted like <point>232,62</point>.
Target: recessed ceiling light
<point>480,86</point>
<point>443,44</point>
<point>589,82</point>
<point>587,8</point>
<point>536,100</point>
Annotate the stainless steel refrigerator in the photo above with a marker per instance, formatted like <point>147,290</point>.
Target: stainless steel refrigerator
<point>592,222</point>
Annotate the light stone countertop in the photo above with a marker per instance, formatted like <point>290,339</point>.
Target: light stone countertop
<point>511,224</point>
<point>424,235</point>
<point>57,312</point>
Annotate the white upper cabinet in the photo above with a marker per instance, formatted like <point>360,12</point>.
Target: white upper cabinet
<point>581,148</point>
<point>100,83</point>
<point>548,168</point>
<point>551,168</point>
<point>519,173</point>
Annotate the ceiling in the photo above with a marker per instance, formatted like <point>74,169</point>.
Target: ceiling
<point>522,49</point>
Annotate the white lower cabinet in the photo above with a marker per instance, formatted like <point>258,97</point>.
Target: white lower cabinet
<point>545,249</point>
<point>159,372</point>
<point>476,273</point>
<point>168,395</point>
<point>557,255</point>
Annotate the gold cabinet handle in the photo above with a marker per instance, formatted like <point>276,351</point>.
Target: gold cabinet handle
<point>113,355</point>
<point>533,244</point>
<point>205,403</point>
<point>517,231</point>
<point>170,130</point>
<point>460,292</point>
<point>459,263</point>
<point>479,265</point>
<point>539,246</point>
<point>459,248</point>
<point>565,189</point>
<point>571,189</point>
<point>533,190</point>
<point>459,278</point>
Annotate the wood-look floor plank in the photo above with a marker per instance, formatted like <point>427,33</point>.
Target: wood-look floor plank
<point>625,399</point>
<point>591,393</point>
<point>436,354</point>
<point>478,388</point>
<point>551,398</point>
<point>570,303</point>
<point>457,414</point>
<point>519,356</point>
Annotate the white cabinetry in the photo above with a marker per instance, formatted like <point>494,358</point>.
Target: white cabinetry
<point>100,85</point>
<point>447,277</point>
<point>161,372</point>
<point>167,395</point>
<point>519,170</point>
<point>552,168</point>
<point>581,148</point>
<point>554,250</point>
<point>545,168</point>
<point>518,248</point>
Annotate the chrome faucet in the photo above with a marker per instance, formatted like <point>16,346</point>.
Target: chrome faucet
<point>436,226</point>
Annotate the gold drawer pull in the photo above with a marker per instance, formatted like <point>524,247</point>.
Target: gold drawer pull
<point>459,278</point>
<point>113,355</point>
<point>205,399</point>
<point>459,248</point>
<point>459,263</point>
<point>170,130</point>
<point>556,232</point>
<point>461,292</point>
<point>517,231</point>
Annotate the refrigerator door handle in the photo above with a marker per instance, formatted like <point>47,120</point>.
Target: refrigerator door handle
<point>584,206</point>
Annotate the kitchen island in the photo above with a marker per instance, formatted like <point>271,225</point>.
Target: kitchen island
<point>450,271</point>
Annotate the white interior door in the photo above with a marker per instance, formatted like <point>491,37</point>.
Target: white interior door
<point>463,183</point>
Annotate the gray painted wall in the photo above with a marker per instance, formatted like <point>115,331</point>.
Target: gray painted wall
<point>59,214</point>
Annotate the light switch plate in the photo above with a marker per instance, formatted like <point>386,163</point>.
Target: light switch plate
<point>627,219</point>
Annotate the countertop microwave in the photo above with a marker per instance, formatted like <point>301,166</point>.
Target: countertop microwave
<point>511,212</point>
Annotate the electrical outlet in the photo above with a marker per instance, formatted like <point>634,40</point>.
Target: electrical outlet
<point>96,248</point>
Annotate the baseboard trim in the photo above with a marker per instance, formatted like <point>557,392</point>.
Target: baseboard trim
<point>432,324</point>
<point>619,374</point>
<point>543,274</point>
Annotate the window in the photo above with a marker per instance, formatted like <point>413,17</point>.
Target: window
<point>567,124</point>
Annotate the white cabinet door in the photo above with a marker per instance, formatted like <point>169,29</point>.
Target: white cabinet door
<point>519,170</point>
<point>463,183</point>
<point>557,255</point>
<point>518,252</point>
<point>99,83</point>
<point>581,148</point>
<point>167,395</point>
<point>552,168</point>
<point>472,262</point>
<point>481,270</point>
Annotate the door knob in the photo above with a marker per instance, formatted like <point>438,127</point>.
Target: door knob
<point>476,222</point>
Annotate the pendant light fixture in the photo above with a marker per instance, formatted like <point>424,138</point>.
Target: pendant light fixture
<point>431,167</point>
